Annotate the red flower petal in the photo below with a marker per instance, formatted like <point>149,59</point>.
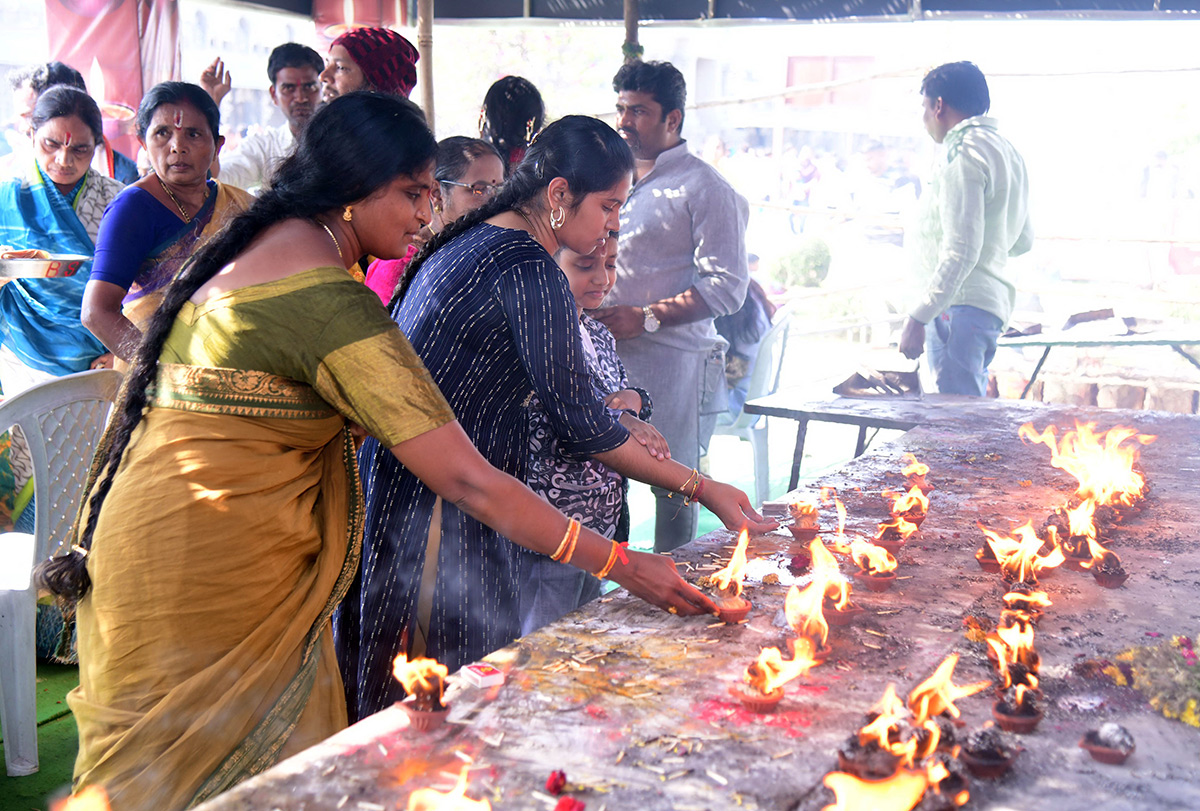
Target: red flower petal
<point>556,781</point>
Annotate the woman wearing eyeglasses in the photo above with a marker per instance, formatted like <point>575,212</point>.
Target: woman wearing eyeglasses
<point>469,172</point>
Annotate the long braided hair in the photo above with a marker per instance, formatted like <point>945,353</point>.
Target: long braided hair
<point>352,147</point>
<point>582,150</point>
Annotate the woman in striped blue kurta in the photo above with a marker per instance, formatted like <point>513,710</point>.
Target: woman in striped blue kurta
<point>492,317</point>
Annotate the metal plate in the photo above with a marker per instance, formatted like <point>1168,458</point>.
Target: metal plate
<point>54,267</point>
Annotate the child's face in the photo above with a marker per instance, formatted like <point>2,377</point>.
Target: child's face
<point>590,276</point>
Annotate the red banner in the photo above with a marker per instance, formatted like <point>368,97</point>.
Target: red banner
<point>122,47</point>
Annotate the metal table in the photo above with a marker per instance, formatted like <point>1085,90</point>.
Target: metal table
<point>632,702</point>
<point>894,413</point>
<point>1176,340</point>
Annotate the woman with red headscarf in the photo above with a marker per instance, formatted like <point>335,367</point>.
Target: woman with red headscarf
<point>369,59</point>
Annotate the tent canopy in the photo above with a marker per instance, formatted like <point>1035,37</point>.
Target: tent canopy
<point>690,10</point>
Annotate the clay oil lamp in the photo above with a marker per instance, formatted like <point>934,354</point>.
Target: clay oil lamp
<point>914,473</point>
<point>876,566</point>
<point>1110,744</point>
<point>1103,464</point>
<point>428,799</point>
<point>1077,528</point>
<point>805,525</point>
<point>1012,654</point>
<point>989,753</point>
<point>1024,603</point>
<point>883,744</point>
<point>893,534</point>
<point>1017,710</point>
<point>1019,554</point>
<point>763,680</point>
<point>1108,571</point>
<point>836,607</point>
<point>424,680</point>
<point>949,787</point>
<point>732,607</point>
<point>912,505</point>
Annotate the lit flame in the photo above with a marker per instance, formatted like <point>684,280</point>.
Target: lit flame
<point>912,467</point>
<point>424,678</point>
<point>912,502</point>
<point>899,527</point>
<point>1018,555</point>
<point>804,610</point>
<point>900,792</point>
<point>770,671</point>
<point>1024,601</point>
<point>1013,645</point>
<point>888,712</point>
<point>938,693</point>
<point>729,579</point>
<point>870,558</point>
<point>88,798</point>
<point>1098,462</point>
<point>804,511</point>
<point>1080,519</point>
<point>428,799</point>
<point>805,613</point>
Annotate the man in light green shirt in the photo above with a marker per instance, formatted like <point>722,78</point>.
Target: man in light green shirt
<point>973,217</point>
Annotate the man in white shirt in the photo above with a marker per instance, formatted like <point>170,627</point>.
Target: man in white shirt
<point>295,89</point>
<point>973,217</point>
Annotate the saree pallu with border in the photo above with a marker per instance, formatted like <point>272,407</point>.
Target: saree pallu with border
<point>168,257</point>
<point>39,318</point>
<point>231,532</point>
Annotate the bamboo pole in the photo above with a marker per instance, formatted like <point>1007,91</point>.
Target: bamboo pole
<point>631,48</point>
<point>425,63</point>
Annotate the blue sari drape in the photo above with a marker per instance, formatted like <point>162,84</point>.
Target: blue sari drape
<point>39,318</point>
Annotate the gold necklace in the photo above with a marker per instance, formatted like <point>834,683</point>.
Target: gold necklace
<point>174,199</point>
<point>335,242</point>
<point>532,227</point>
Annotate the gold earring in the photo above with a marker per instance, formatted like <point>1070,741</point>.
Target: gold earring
<point>348,213</point>
<point>437,208</point>
<point>557,218</point>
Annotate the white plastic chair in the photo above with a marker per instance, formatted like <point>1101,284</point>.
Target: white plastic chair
<point>62,421</point>
<point>763,381</point>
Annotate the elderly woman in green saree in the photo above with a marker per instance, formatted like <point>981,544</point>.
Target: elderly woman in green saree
<point>224,523</point>
<point>156,224</point>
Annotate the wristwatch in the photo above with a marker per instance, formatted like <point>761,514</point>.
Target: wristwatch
<point>650,324</point>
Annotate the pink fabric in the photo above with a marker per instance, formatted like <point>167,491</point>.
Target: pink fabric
<point>384,274</point>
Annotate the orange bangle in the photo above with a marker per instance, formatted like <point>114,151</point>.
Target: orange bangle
<point>612,561</point>
<point>573,531</point>
<point>571,534</point>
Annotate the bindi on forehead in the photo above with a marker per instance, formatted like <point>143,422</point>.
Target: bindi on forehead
<point>178,119</point>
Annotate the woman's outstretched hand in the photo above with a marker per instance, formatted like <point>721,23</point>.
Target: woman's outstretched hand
<point>653,578</point>
<point>732,506</point>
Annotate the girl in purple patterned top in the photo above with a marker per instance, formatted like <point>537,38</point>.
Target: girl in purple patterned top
<point>584,489</point>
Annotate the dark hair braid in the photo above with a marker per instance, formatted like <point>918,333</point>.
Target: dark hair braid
<point>329,169</point>
<point>584,151</point>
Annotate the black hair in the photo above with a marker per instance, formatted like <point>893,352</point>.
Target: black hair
<point>293,55</point>
<point>178,93</point>
<point>662,80</point>
<point>960,85</point>
<point>63,100</point>
<point>513,112</point>
<point>584,151</point>
<point>456,154</point>
<point>42,77</point>
<point>744,326</point>
<point>359,143</point>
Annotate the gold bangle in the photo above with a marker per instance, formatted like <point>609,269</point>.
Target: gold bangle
<point>612,561</point>
<point>562,547</point>
<point>573,532</point>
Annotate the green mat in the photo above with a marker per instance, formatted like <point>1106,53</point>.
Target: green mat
<point>57,744</point>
